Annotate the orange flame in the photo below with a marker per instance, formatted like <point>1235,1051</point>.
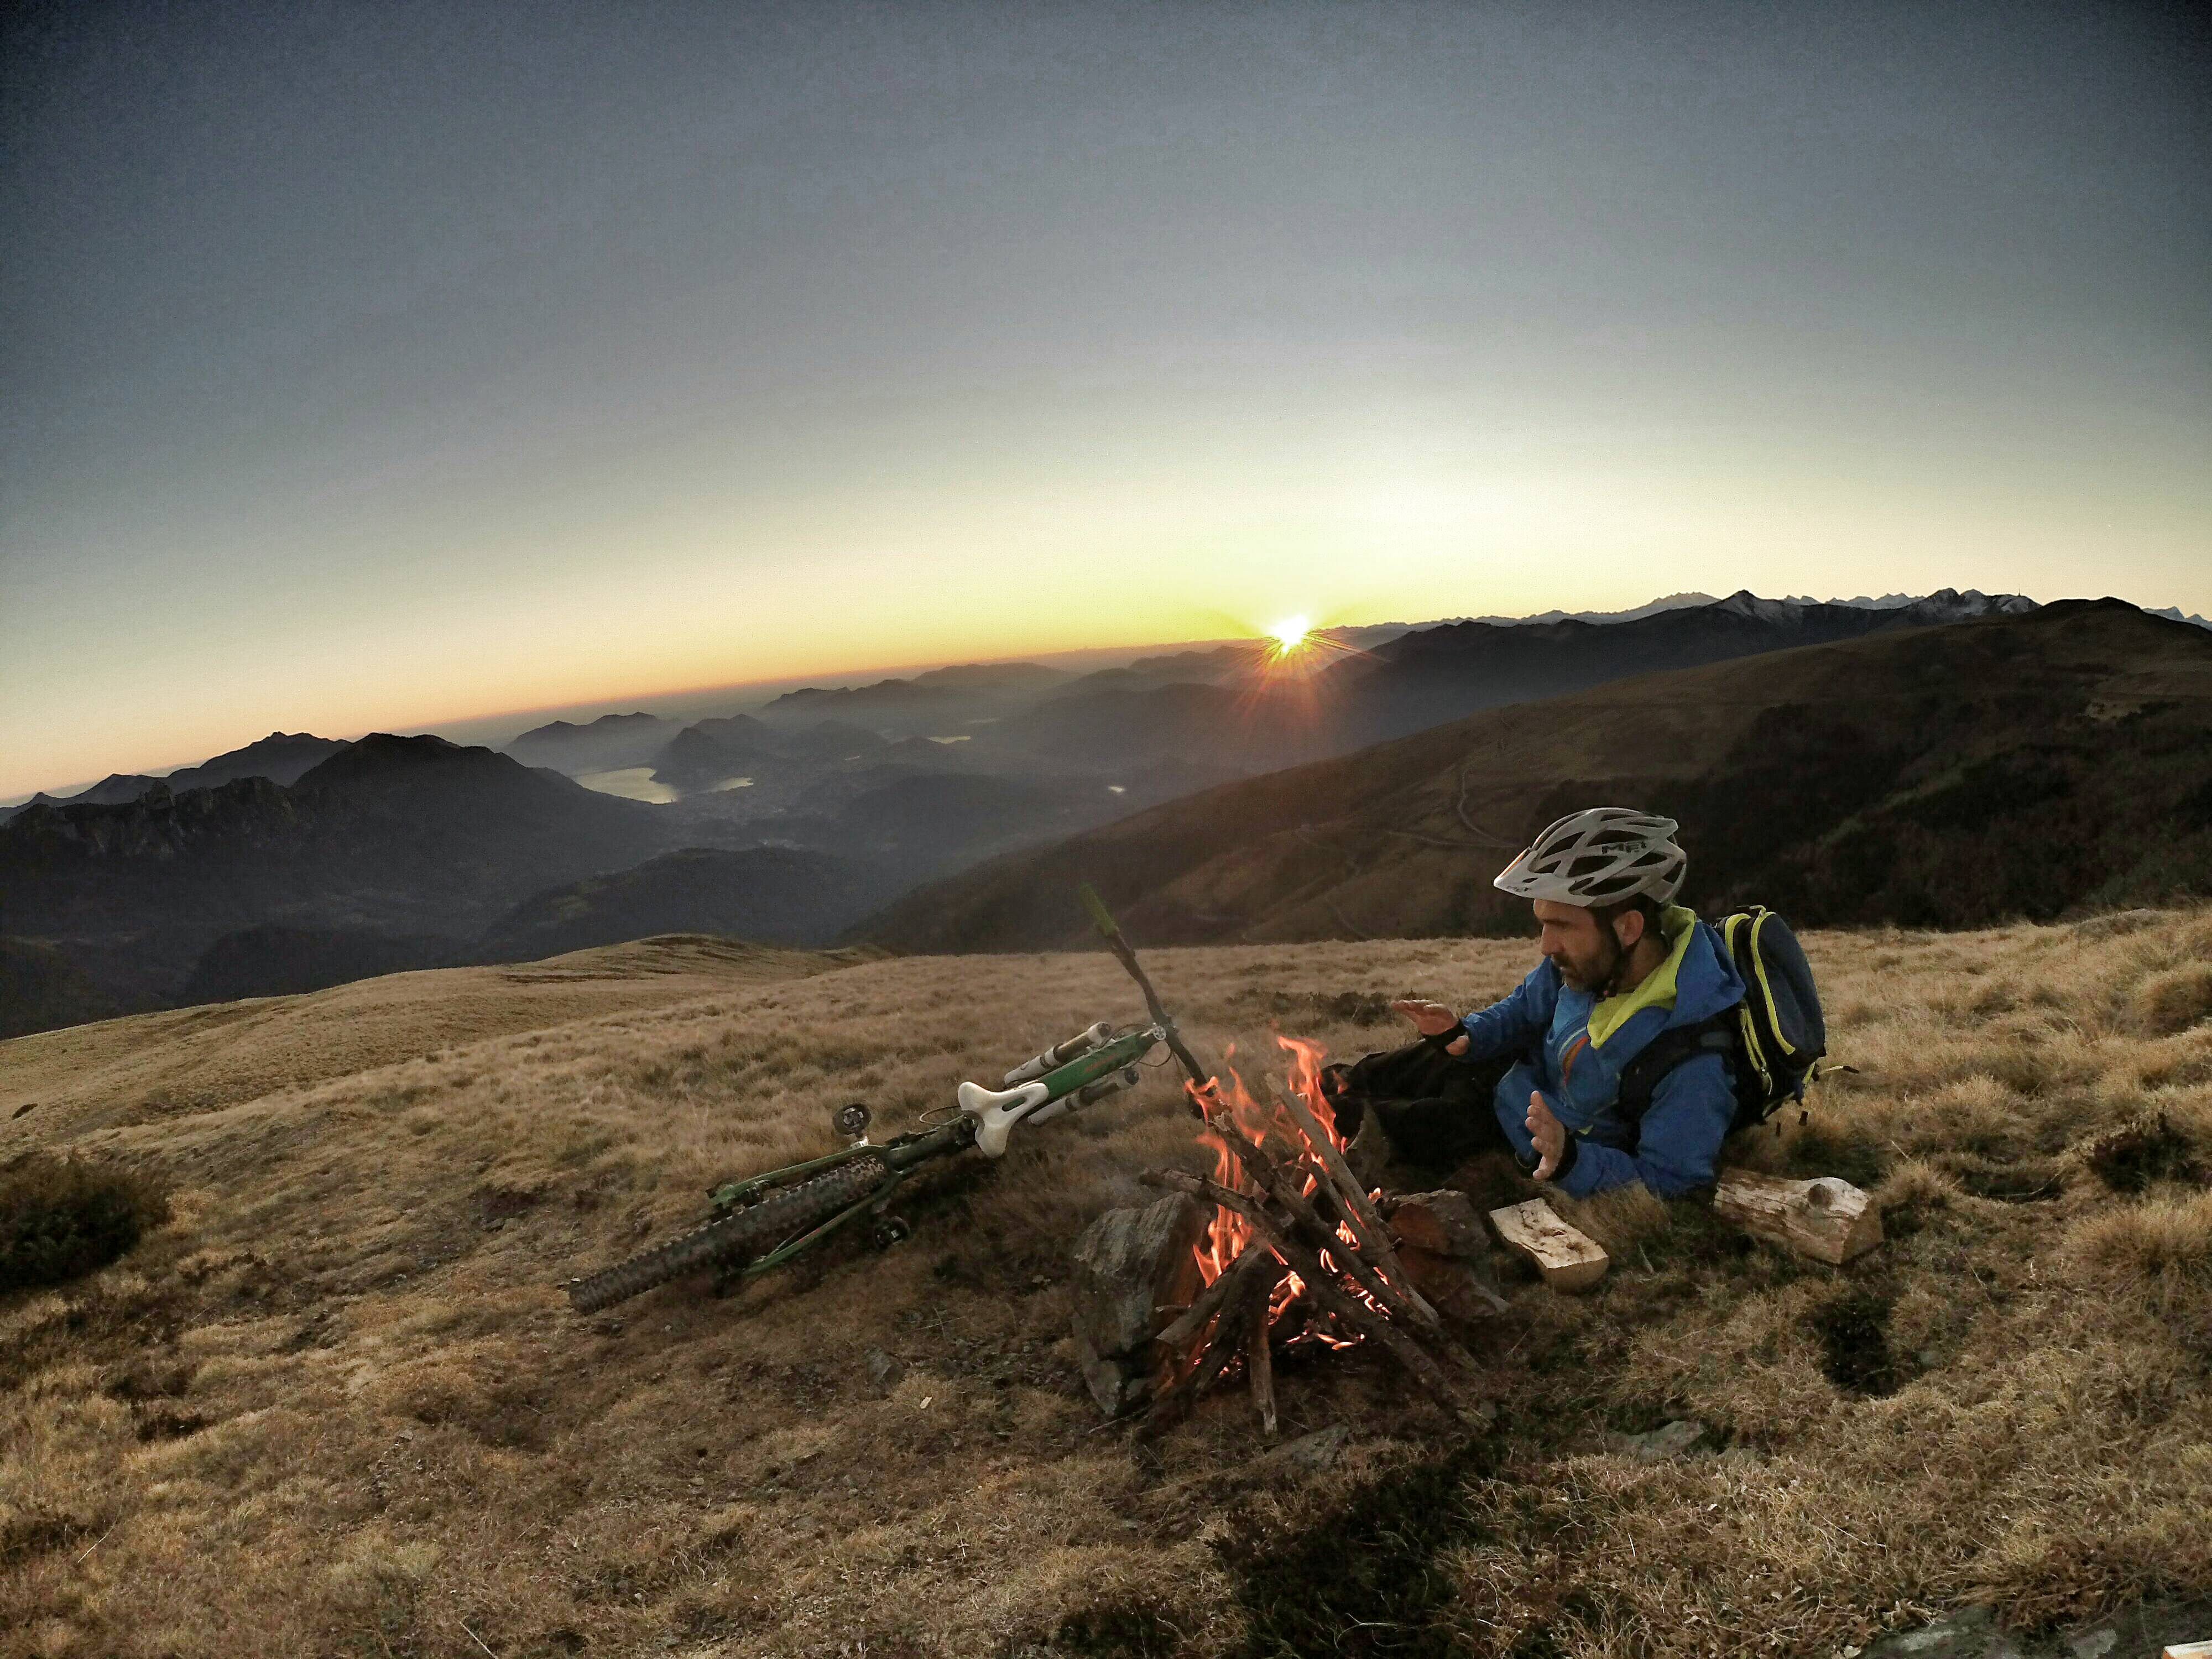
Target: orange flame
<point>1265,1125</point>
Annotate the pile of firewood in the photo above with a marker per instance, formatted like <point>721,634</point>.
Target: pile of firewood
<point>1309,1221</point>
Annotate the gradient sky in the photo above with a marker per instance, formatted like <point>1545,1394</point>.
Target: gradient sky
<point>382,365</point>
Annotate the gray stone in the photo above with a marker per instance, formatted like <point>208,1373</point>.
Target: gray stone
<point>1129,1265</point>
<point>1315,1453</point>
<point>2145,1629</point>
<point>884,1370</point>
<point>1964,1635</point>
<point>1667,1440</point>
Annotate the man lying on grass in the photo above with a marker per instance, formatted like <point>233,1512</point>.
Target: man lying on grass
<point>1622,965</point>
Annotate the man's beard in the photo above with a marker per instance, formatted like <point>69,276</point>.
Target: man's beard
<point>1594,975</point>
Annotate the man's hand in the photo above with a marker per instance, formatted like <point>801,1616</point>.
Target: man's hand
<point>1549,1134</point>
<point>1432,1019</point>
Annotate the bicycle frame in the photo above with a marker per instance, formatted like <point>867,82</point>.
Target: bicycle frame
<point>986,1120</point>
<point>802,1205</point>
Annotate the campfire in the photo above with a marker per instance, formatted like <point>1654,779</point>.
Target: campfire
<point>1297,1251</point>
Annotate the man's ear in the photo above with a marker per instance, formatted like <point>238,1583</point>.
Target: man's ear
<point>1628,929</point>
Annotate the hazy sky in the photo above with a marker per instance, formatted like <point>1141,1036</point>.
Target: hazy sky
<point>376,365</point>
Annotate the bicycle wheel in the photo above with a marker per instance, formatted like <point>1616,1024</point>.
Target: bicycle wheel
<point>782,1214</point>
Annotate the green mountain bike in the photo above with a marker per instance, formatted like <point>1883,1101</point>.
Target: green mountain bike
<point>761,1222</point>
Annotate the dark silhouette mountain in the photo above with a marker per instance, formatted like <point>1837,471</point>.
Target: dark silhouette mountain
<point>273,960</point>
<point>1235,707</point>
<point>708,752</point>
<point>391,835</point>
<point>774,895</point>
<point>40,988</point>
<point>606,744</point>
<point>1949,775</point>
<point>1225,726</point>
<point>921,823</point>
<point>928,704</point>
<point>1665,602</point>
<point>281,757</point>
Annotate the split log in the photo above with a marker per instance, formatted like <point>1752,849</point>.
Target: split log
<point>1569,1261</point>
<point>1825,1219</point>
<point>1441,1223</point>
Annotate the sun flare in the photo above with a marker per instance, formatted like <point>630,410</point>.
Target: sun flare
<point>1288,634</point>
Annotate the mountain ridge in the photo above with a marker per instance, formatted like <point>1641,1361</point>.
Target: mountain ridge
<point>1790,771</point>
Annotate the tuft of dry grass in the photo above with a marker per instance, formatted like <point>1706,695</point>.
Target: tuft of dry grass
<point>2178,998</point>
<point>336,1403</point>
<point>2158,1254</point>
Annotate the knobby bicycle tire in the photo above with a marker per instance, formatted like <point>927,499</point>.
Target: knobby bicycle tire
<point>781,1215</point>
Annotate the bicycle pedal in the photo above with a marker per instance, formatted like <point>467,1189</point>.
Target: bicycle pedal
<point>891,1229</point>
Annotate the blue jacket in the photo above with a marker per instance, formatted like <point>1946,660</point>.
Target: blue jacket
<point>1574,1046</point>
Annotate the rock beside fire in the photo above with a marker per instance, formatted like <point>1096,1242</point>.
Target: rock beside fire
<point>1442,1223</point>
<point>1446,1253</point>
<point>1134,1271</point>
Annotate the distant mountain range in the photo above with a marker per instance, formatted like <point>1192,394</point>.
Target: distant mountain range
<point>282,757</point>
<point>390,835</point>
<point>1206,786</point>
<point>2015,765</point>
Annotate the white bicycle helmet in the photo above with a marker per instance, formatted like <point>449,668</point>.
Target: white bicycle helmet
<point>1599,856</point>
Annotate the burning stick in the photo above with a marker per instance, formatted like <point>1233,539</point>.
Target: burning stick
<point>1210,1301</point>
<point>1287,1191</point>
<point>1368,1221</point>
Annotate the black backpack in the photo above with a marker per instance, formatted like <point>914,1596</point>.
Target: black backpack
<point>1772,1040</point>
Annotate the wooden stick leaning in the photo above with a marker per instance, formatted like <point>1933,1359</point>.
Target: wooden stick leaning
<point>1260,1362</point>
<point>1250,1292</point>
<point>1374,1236</point>
<point>1193,1320</point>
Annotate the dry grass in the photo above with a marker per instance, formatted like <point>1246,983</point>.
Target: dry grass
<point>338,1404</point>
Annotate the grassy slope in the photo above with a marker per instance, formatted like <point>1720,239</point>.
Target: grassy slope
<point>194,1060</point>
<point>338,1405</point>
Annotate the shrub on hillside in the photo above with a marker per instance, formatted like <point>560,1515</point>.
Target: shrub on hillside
<point>63,1217</point>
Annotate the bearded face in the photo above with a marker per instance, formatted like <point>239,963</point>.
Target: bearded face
<point>1586,951</point>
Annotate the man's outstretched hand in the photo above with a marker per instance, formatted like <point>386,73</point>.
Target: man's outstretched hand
<point>1548,1133</point>
<point>1432,1019</point>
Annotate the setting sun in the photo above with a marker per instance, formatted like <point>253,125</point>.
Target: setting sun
<point>1288,634</point>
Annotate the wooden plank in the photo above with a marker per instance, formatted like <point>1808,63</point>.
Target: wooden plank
<point>1825,1219</point>
<point>2188,1650</point>
<point>1569,1261</point>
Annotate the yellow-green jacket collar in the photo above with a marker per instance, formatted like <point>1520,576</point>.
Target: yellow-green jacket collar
<point>1679,922</point>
